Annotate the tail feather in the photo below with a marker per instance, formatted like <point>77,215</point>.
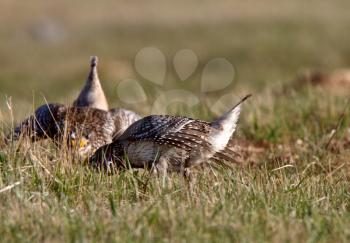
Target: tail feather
<point>92,94</point>
<point>231,116</point>
<point>225,126</point>
<point>93,78</point>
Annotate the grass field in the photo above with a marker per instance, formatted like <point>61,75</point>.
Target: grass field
<point>292,185</point>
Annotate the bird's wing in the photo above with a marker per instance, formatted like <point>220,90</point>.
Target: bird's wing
<point>122,120</point>
<point>181,132</point>
<point>153,127</point>
<point>42,124</point>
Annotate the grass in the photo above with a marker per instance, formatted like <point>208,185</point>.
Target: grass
<point>296,189</point>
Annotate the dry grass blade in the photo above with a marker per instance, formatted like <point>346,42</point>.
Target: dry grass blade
<point>340,121</point>
<point>9,187</point>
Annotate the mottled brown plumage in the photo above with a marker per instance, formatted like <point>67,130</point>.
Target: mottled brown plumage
<point>88,124</point>
<point>93,96</point>
<point>82,127</point>
<point>94,127</point>
<point>168,143</point>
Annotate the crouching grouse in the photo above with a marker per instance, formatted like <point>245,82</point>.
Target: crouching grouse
<point>168,143</point>
<point>84,128</point>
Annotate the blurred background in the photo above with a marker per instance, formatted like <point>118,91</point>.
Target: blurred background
<point>45,46</point>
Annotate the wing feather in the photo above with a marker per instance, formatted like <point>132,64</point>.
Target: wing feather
<point>122,120</point>
<point>42,124</point>
<point>181,132</point>
<point>153,127</point>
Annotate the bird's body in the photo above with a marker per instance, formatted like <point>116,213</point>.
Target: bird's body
<point>169,143</point>
<point>84,128</point>
<point>170,138</point>
<point>88,124</point>
<point>87,129</point>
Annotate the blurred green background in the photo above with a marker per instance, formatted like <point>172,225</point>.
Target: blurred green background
<point>45,46</point>
<point>293,144</point>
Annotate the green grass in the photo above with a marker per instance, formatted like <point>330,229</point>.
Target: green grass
<point>296,189</point>
<point>294,192</point>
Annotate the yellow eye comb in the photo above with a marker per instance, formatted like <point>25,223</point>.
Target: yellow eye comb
<point>82,142</point>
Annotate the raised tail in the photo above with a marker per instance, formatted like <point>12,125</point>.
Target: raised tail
<point>225,126</point>
<point>230,117</point>
<point>93,74</point>
<point>92,94</point>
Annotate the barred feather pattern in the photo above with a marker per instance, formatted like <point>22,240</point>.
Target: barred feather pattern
<point>181,141</point>
<point>181,132</point>
<point>171,143</point>
<point>42,124</point>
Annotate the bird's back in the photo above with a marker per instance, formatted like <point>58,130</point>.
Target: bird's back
<point>169,131</point>
<point>122,120</point>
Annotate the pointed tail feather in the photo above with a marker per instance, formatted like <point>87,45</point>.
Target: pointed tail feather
<point>94,61</point>
<point>225,126</point>
<point>92,95</point>
<point>93,75</point>
<point>230,116</point>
